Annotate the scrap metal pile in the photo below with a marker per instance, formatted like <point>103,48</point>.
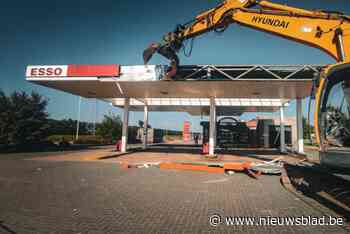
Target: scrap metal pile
<point>252,169</point>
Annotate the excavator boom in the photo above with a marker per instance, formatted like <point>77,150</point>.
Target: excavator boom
<point>324,30</point>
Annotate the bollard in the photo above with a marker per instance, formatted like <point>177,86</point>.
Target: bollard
<point>118,145</point>
<point>205,148</point>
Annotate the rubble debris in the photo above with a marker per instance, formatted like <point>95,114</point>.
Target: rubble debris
<point>230,172</point>
<point>273,167</point>
<point>254,170</point>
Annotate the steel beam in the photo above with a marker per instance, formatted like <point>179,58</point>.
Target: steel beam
<point>241,72</point>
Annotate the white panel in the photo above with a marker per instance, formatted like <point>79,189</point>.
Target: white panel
<point>140,73</point>
<point>245,103</point>
<point>136,102</point>
<point>186,102</point>
<point>166,102</point>
<point>156,102</point>
<point>118,102</point>
<point>256,103</point>
<point>266,103</point>
<point>229,102</point>
<point>255,100</point>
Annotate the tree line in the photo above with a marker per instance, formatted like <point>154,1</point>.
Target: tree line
<point>25,121</point>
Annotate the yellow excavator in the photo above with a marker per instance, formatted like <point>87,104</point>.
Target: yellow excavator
<point>325,30</point>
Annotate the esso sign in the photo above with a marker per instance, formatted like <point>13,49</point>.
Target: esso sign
<point>46,71</point>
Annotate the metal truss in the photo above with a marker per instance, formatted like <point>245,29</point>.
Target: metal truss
<point>248,72</point>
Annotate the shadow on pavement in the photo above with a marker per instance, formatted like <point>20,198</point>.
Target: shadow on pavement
<point>175,148</point>
<point>329,190</point>
<point>48,149</point>
<point>192,149</point>
<point>5,228</point>
<point>256,153</point>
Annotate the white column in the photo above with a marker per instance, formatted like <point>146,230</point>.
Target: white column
<point>300,133</point>
<point>145,126</point>
<point>78,121</point>
<point>282,131</point>
<point>212,127</point>
<point>125,125</point>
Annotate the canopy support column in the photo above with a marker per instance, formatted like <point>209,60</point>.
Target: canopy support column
<point>282,131</point>
<point>212,127</point>
<point>300,132</point>
<point>125,125</point>
<point>145,126</point>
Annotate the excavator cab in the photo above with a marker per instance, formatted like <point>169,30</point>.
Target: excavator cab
<point>333,116</point>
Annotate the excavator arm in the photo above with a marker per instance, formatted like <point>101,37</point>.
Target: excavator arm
<point>328,31</point>
<point>325,30</point>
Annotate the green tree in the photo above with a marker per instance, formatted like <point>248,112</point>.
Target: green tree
<point>308,129</point>
<point>5,116</point>
<point>68,127</point>
<point>110,128</point>
<point>23,118</point>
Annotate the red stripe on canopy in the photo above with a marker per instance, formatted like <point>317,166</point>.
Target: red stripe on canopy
<point>93,70</point>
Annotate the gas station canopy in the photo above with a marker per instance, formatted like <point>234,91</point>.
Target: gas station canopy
<point>283,82</point>
<point>212,90</point>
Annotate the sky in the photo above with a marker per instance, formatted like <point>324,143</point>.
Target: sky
<point>116,32</point>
